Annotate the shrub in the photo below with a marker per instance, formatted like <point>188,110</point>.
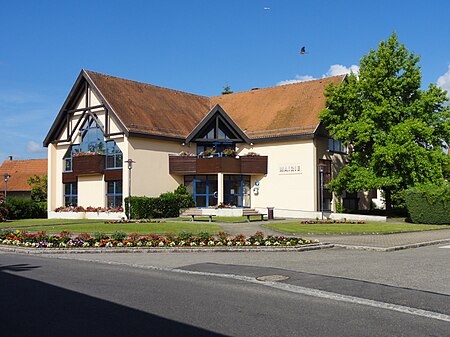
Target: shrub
<point>118,235</point>
<point>25,209</point>
<point>167,205</point>
<point>429,203</point>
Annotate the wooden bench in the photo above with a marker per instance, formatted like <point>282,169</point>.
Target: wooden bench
<point>193,212</point>
<point>251,212</point>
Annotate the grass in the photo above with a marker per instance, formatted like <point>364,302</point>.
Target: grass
<point>92,226</point>
<point>371,227</point>
<point>226,219</point>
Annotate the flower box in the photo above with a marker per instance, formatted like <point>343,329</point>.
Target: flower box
<point>94,164</point>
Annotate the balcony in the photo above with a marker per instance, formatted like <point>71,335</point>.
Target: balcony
<point>255,165</point>
<point>94,164</point>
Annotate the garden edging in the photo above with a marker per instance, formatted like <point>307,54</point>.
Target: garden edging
<point>33,250</point>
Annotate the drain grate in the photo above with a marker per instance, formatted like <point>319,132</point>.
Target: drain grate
<point>272,278</point>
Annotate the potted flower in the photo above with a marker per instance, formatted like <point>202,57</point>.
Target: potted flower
<point>229,153</point>
<point>209,153</point>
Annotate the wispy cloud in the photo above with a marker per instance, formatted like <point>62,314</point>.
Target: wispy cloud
<point>334,70</point>
<point>298,78</point>
<point>33,147</point>
<point>444,81</point>
<point>339,69</point>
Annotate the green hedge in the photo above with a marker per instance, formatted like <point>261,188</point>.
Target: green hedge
<point>429,204</point>
<point>20,208</point>
<point>167,205</point>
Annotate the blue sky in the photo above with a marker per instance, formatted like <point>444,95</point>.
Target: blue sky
<point>194,46</point>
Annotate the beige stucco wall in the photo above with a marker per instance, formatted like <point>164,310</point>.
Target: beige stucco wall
<point>91,190</point>
<point>150,173</point>
<point>294,191</point>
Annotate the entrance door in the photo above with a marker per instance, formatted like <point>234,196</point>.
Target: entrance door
<point>236,190</point>
<point>203,188</point>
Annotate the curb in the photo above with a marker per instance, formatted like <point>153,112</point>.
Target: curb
<point>394,248</point>
<point>39,251</point>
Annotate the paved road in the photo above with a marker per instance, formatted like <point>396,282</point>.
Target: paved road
<point>202,296</point>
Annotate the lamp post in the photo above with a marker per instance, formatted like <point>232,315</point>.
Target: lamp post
<point>321,172</point>
<point>130,166</point>
<point>6,177</point>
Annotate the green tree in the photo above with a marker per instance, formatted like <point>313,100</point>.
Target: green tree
<point>395,131</point>
<point>227,90</point>
<point>38,186</point>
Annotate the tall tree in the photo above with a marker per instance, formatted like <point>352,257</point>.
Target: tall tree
<point>227,90</point>
<point>395,131</point>
<point>38,186</point>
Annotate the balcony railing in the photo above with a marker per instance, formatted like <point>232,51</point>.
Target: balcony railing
<point>256,165</point>
<point>93,164</point>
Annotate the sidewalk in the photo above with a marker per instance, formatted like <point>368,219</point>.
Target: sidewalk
<point>382,242</point>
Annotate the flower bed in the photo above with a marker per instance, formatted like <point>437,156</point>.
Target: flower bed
<point>352,222</point>
<point>120,239</point>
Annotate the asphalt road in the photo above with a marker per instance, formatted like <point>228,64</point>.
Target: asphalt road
<point>44,296</point>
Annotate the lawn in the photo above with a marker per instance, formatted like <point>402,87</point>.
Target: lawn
<point>371,227</point>
<point>226,219</point>
<point>90,226</point>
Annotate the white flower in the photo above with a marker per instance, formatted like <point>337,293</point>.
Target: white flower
<point>172,244</point>
<point>139,244</point>
<point>193,244</point>
<point>129,244</point>
<point>85,244</point>
<point>257,243</point>
<point>229,243</point>
<point>268,243</point>
<point>248,243</point>
<point>202,243</point>
<point>149,244</point>
<point>120,244</point>
<point>210,243</point>
<point>276,243</point>
<point>288,243</point>
<point>50,245</point>
<point>182,243</point>
<point>219,243</point>
<point>33,244</point>
<point>239,243</point>
<point>161,244</point>
<point>97,244</point>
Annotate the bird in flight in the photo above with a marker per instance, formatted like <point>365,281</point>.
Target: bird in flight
<point>303,51</point>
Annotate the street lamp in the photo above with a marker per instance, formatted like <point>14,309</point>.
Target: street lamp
<point>130,166</point>
<point>6,177</point>
<point>321,172</point>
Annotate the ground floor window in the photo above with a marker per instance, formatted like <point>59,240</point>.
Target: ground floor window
<point>324,178</point>
<point>70,194</point>
<point>236,190</point>
<point>203,188</point>
<point>114,193</point>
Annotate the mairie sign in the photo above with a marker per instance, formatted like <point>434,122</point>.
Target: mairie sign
<point>290,169</point>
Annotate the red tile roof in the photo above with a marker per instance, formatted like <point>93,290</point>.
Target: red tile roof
<point>291,109</point>
<point>20,171</point>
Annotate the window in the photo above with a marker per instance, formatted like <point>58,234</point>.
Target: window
<point>114,157</point>
<point>336,146</point>
<point>68,161</point>
<point>70,194</point>
<point>114,193</point>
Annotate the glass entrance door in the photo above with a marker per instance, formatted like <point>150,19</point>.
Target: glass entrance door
<point>203,188</point>
<point>236,190</point>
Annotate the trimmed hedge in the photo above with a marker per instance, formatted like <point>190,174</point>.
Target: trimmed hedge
<point>429,204</point>
<point>167,205</point>
<point>20,208</point>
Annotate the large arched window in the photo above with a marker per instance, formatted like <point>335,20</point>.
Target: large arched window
<point>93,143</point>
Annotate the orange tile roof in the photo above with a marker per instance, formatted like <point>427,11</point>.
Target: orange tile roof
<point>150,109</point>
<point>291,109</point>
<point>20,171</point>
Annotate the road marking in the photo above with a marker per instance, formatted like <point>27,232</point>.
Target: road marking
<point>328,295</point>
<point>445,246</point>
<point>291,288</point>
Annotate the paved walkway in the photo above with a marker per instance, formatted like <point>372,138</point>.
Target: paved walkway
<point>399,240</point>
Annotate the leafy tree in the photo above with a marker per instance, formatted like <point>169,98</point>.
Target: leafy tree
<point>227,90</point>
<point>38,187</point>
<point>395,131</point>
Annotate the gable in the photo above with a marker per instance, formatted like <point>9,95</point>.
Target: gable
<point>84,101</point>
<point>217,126</point>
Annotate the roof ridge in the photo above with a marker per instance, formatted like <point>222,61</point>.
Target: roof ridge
<point>284,85</point>
<point>143,83</point>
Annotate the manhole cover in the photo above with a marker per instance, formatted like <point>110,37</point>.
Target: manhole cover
<point>272,278</point>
